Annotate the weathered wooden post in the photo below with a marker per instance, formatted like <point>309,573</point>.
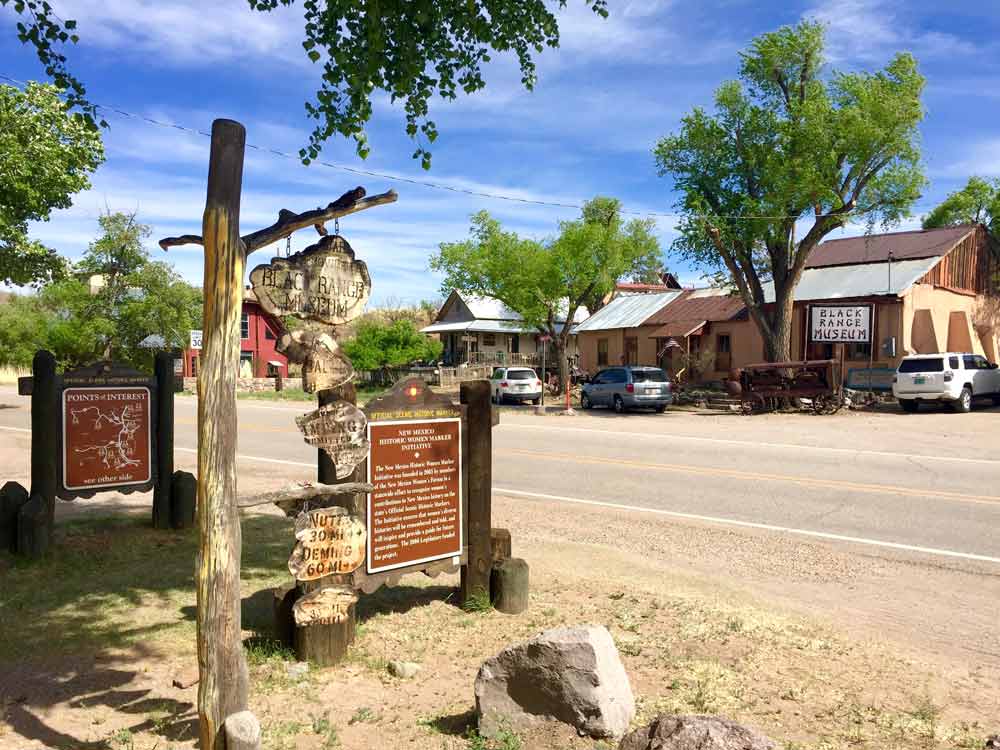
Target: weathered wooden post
<point>223,684</point>
<point>475,578</point>
<point>164,371</point>
<point>36,518</point>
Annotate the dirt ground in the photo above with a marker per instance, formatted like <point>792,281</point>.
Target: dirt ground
<point>91,640</point>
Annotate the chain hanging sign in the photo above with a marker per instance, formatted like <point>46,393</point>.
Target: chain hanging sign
<point>324,283</point>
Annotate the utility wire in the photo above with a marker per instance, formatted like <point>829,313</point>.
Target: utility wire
<point>399,178</point>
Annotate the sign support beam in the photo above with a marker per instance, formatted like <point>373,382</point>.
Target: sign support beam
<point>475,579</point>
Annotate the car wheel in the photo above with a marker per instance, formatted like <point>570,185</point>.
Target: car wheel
<point>660,409</point>
<point>909,405</point>
<point>498,399</point>
<point>536,401</point>
<point>964,402</point>
<point>619,405</point>
<point>585,402</point>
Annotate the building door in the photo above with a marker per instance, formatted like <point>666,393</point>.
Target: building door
<point>631,350</point>
<point>514,343</point>
<point>723,356</point>
<point>246,365</point>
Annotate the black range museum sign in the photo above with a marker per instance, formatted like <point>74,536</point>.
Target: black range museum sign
<point>107,435</point>
<point>840,324</point>
<point>324,283</point>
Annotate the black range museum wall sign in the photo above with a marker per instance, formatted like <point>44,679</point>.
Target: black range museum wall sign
<point>840,324</point>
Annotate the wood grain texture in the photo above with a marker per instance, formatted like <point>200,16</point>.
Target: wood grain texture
<point>222,689</point>
<point>242,732</point>
<point>509,586</point>
<point>475,394</point>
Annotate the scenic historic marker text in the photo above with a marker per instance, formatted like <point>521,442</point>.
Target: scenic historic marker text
<point>415,510</point>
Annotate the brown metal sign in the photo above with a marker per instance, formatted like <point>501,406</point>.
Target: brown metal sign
<point>415,510</point>
<point>340,430</point>
<point>324,282</point>
<point>106,438</point>
<point>328,542</point>
<point>326,606</point>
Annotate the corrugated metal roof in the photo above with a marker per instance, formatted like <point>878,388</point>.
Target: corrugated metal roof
<point>711,304</point>
<point>860,280</point>
<point>627,311</point>
<point>678,328</point>
<point>875,248</point>
<point>483,326</point>
<point>488,308</point>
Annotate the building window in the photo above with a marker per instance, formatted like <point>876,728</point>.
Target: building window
<point>489,339</point>
<point>245,325</point>
<point>602,352</point>
<point>631,350</point>
<point>858,351</point>
<point>268,333</point>
<point>514,344</point>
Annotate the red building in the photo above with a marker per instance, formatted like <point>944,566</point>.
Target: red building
<point>259,332</point>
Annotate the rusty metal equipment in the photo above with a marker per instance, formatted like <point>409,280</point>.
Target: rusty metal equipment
<point>765,386</point>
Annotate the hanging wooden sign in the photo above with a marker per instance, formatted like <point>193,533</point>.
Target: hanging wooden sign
<point>324,366</point>
<point>340,429</point>
<point>325,606</point>
<point>324,283</point>
<point>329,541</point>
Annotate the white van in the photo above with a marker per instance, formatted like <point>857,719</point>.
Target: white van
<point>954,377</point>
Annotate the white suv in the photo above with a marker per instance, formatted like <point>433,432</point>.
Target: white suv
<point>955,377</point>
<point>516,384</point>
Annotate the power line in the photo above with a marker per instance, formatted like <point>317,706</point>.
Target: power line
<point>399,178</point>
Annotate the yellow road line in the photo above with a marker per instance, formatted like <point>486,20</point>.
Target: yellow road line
<point>747,475</point>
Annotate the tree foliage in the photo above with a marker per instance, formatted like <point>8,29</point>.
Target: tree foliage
<point>378,346</point>
<point>976,203</point>
<point>548,282</point>
<point>46,155</point>
<point>788,143</point>
<point>414,51</point>
<point>138,298</point>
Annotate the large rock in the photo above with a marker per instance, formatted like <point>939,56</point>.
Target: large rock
<point>572,675</point>
<point>667,732</point>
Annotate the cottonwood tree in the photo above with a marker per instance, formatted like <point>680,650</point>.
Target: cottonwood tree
<point>547,283</point>
<point>790,154</point>
<point>378,347</point>
<point>414,51</point>
<point>976,203</point>
<point>46,155</point>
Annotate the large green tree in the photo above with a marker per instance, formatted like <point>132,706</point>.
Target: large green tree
<point>976,203</point>
<point>378,347</point>
<point>113,300</point>
<point>547,282</point>
<point>791,153</point>
<point>414,51</point>
<point>46,155</point>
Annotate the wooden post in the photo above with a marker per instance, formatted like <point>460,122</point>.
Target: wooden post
<point>12,497</point>
<point>509,586</point>
<point>326,645</point>
<point>45,426</point>
<point>222,688</point>
<point>242,732</point>
<point>500,543</point>
<point>164,370</point>
<point>183,500</point>
<point>475,394</point>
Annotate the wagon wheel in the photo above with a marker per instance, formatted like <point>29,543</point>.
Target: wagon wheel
<point>834,403</point>
<point>746,406</point>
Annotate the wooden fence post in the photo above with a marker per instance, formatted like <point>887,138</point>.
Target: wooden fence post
<point>164,370</point>
<point>223,684</point>
<point>326,645</point>
<point>45,427</point>
<point>475,394</point>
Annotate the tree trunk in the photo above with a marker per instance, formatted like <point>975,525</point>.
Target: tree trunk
<point>778,341</point>
<point>561,345</point>
<point>222,688</point>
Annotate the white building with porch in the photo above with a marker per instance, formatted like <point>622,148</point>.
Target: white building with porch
<point>481,331</point>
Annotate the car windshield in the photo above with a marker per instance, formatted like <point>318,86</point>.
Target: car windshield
<point>649,376</point>
<point>521,375</point>
<point>930,364</point>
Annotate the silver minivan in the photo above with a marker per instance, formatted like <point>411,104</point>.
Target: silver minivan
<point>628,387</point>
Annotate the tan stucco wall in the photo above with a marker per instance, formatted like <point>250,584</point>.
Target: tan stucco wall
<point>938,320</point>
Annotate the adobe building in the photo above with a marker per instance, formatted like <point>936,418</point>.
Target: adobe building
<point>259,332</point>
<point>924,288</point>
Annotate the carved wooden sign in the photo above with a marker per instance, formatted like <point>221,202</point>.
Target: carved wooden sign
<point>340,429</point>
<point>326,606</point>
<point>324,282</point>
<point>328,542</point>
<point>324,366</point>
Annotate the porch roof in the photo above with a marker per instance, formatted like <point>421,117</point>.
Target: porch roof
<point>481,326</point>
<point>859,280</point>
<point>678,329</point>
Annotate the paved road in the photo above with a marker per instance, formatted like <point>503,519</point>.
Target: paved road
<point>928,481</point>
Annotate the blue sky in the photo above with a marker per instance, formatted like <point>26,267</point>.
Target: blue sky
<point>603,99</point>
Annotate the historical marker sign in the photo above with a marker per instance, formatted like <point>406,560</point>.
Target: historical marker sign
<point>415,510</point>
<point>338,429</point>
<point>106,438</point>
<point>328,542</point>
<point>840,324</point>
<point>325,606</point>
<point>324,282</point>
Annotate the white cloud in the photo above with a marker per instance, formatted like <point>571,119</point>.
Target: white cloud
<point>981,158</point>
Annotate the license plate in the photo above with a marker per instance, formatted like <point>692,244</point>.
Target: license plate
<point>919,381</point>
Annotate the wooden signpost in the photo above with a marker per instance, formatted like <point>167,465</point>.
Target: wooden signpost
<point>338,429</point>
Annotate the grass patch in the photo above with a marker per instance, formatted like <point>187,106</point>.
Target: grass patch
<point>478,601</point>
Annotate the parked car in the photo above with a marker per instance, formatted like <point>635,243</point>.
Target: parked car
<point>628,387</point>
<point>956,378</point>
<point>515,384</point>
